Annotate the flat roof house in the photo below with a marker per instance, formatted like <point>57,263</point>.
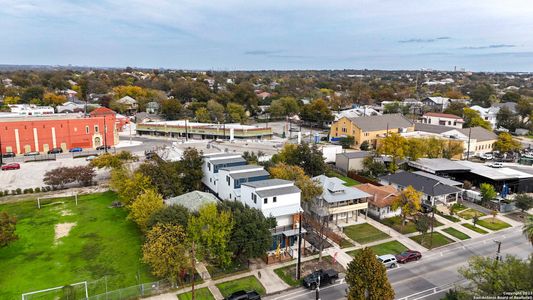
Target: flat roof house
<point>351,161</point>
<point>442,119</point>
<point>214,162</point>
<point>432,190</point>
<point>230,179</point>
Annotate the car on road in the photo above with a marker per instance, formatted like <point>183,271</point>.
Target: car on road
<point>33,153</point>
<point>77,149</point>
<point>320,278</point>
<point>90,158</point>
<point>388,260</point>
<point>8,154</point>
<point>407,256</point>
<point>426,208</point>
<point>244,295</point>
<point>486,156</point>
<point>103,147</point>
<point>11,166</point>
<point>496,165</point>
<point>55,151</point>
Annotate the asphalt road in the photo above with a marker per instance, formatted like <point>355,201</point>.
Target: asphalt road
<point>436,268</point>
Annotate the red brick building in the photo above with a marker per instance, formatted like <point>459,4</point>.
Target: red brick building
<point>26,134</point>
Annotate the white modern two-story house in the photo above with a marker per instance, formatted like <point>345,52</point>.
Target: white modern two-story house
<point>230,180</point>
<point>216,161</point>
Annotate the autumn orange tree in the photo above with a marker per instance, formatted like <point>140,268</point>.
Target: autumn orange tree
<point>409,202</point>
<point>310,189</point>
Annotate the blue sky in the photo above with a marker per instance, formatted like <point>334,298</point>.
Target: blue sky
<point>476,35</point>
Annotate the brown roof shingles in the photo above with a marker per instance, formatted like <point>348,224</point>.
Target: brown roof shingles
<point>382,195</point>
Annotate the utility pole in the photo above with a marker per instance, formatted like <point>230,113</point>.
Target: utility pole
<point>105,134</point>
<point>432,225</point>
<point>298,271</point>
<point>468,149</point>
<point>192,270</point>
<point>498,258</point>
<point>1,155</point>
<point>317,295</point>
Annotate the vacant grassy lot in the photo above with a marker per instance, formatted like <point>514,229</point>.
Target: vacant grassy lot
<point>200,294</point>
<point>288,273</point>
<point>249,283</point>
<point>493,224</point>
<point>395,223</point>
<point>438,240</point>
<point>456,233</point>
<point>100,243</point>
<point>476,229</point>
<point>470,213</point>
<point>392,247</point>
<point>348,181</point>
<point>364,233</point>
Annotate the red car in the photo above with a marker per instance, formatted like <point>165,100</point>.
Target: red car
<point>12,166</point>
<point>407,256</point>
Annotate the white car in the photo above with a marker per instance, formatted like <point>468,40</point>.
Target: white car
<point>496,165</point>
<point>388,260</point>
<point>89,158</point>
<point>486,156</point>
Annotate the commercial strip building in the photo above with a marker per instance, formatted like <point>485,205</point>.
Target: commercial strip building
<point>23,134</point>
<point>184,128</point>
<point>442,119</point>
<point>513,180</point>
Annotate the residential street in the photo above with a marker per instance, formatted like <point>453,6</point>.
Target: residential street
<point>436,268</point>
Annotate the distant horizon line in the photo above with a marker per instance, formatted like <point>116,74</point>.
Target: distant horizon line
<point>14,67</point>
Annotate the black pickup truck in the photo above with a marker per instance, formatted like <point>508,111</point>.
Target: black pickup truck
<point>320,278</point>
<point>243,295</point>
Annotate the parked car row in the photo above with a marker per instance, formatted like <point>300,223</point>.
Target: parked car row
<point>391,261</point>
<point>56,150</point>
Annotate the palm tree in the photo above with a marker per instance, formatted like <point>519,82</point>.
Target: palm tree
<point>527,229</point>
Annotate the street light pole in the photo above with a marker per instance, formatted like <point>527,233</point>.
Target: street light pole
<point>298,271</point>
<point>498,258</point>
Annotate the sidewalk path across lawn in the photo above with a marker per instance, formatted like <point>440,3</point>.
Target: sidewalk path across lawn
<point>409,243</point>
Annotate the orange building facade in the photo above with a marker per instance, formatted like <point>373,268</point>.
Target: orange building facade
<point>27,134</point>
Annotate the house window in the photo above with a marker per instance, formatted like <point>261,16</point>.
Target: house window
<point>344,129</point>
<point>265,201</point>
<point>96,128</point>
<point>275,199</point>
<point>227,179</point>
<point>209,166</point>
<point>254,197</point>
<point>87,129</point>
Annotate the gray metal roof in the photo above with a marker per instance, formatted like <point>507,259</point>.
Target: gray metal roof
<point>374,123</point>
<point>249,174</point>
<point>227,161</point>
<point>266,183</point>
<point>277,191</point>
<point>356,154</point>
<point>444,180</point>
<point>193,200</point>
<point>334,190</point>
<point>426,185</point>
<point>433,128</point>
<point>480,134</point>
<point>433,165</point>
<point>282,210</point>
<point>218,155</point>
<point>240,168</point>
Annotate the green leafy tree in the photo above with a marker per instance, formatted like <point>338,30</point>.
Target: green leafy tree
<point>507,119</point>
<point>310,189</point>
<point>236,113</point>
<point>165,176</point>
<point>527,229</point>
<point>416,148</point>
<point>455,108</point>
<point>475,219</point>
<point>491,278</point>
<point>191,169</point>
<point>473,119</point>
<point>422,224</point>
<point>487,191</point>
<point>409,201</point>
<point>171,109</point>
<point>394,145</point>
<point>249,222</point>
<point>171,214</point>
<point>202,115</point>
<point>524,108</point>
<point>211,231</point>
<point>113,161</point>
<point>365,146</point>
<point>216,111</point>
<point>144,206</point>
<point>506,143</point>
<point>374,168</point>
<point>511,97</point>
<point>367,278</point>
<point>7,229</point>
<point>481,94</point>
<point>166,251</point>
<point>347,142</point>
<point>317,111</point>
<point>129,185</point>
<point>307,157</point>
<point>523,201</point>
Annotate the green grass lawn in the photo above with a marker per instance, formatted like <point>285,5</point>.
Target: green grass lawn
<point>456,233</point>
<point>249,283</point>
<point>285,275</point>
<point>234,268</point>
<point>449,218</point>
<point>469,214</point>
<point>102,243</point>
<point>364,233</point>
<point>345,244</point>
<point>459,206</point>
<point>493,224</point>
<point>392,247</point>
<point>438,240</point>
<point>476,229</point>
<point>348,181</point>
<point>395,223</point>
<point>200,294</point>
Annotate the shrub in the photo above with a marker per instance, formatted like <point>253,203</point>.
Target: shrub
<point>37,189</point>
<point>25,191</point>
<point>1,194</point>
<point>13,192</point>
<point>6,192</point>
<point>19,191</point>
<point>30,190</point>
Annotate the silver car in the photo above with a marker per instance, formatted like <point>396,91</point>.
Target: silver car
<point>388,260</point>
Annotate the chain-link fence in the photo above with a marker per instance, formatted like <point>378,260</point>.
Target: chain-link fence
<point>68,292</point>
<point>134,292</point>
